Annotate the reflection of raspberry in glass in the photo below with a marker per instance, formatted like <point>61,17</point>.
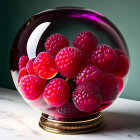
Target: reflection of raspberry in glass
<point>119,52</point>
<point>122,66</point>
<point>120,81</point>
<point>110,88</point>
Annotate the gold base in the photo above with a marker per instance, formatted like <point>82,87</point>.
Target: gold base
<point>75,126</point>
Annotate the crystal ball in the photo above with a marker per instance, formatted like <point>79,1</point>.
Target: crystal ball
<point>69,62</point>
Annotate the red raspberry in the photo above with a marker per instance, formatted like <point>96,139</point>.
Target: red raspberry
<point>31,86</point>
<point>23,61</point>
<point>44,65</point>
<point>120,81</point>
<point>122,67</point>
<point>87,98</point>
<point>57,92</point>
<point>105,58</point>
<point>29,67</point>
<point>110,88</point>
<point>69,61</point>
<point>55,43</point>
<point>85,41</point>
<point>68,110</point>
<point>22,73</point>
<point>90,74</point>
<point>119,52</point>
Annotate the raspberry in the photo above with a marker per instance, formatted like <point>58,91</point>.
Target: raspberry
<point>85,41</point>
<point>57,92</point>
<point>119,52</point>
<point>122,67</point>
<point>90,74</point>
<point>31,86</point>
<point>104,58</point>
<point>110,88</point>
<point>23,61</point>
<point>55,43</point>
<point>44,65</point>
<point>22,73</point>
<point>120,81</point>
<point>29,67</point>
<point>68,110</point>
<point>87,98</point>
<point>69,61</point>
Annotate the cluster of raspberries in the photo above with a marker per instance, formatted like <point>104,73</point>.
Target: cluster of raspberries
<point>96,71</point>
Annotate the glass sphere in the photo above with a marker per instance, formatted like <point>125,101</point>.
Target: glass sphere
<point>69,62</point>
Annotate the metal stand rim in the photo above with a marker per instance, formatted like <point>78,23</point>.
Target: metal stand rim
<point>72,127</point>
